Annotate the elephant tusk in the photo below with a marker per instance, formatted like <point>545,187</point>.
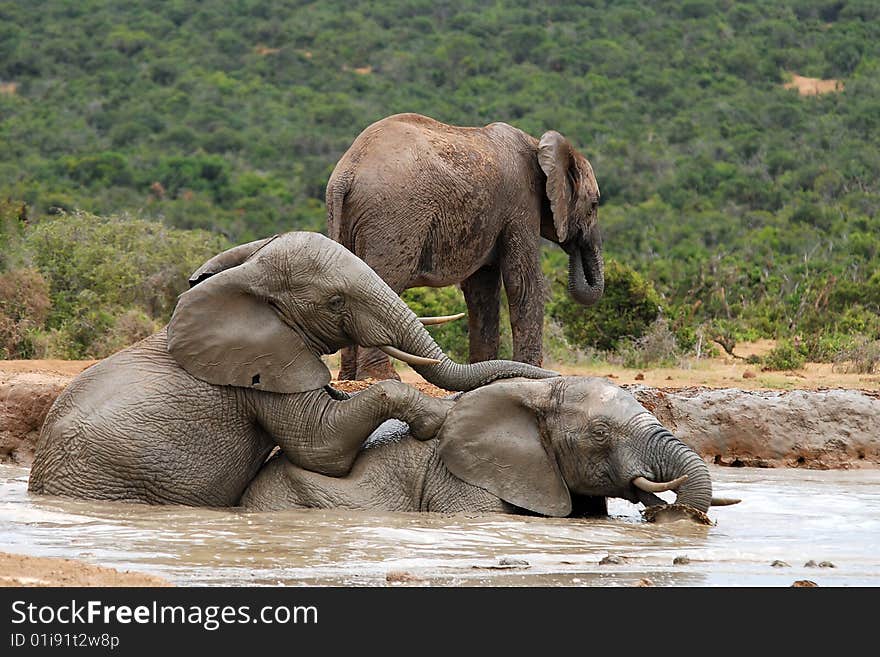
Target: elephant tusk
<point>657,487</point>
<point>724,501</point>
<point>442,319</point>
<point>410,359</point>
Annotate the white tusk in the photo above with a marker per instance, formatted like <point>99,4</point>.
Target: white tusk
<point>442,319</point>
<point>658,487</point>
<point>410,359</point>
<point>724,501</point>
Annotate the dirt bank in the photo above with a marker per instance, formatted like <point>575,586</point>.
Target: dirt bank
<point>830,420</point>
<point>22,570</point>
<point>818,429</point>
<point>25,399</point>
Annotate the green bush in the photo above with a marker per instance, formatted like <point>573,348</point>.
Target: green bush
<point>106,169</point>
<point>13,220</point>
<point>432,301</point>
<point>103,268</point>
<point>785,356</point>
<point>862,356</point>
<point>131,326</point>
<point>825,347</point>
<point>199,173</point>
<point>24,307</point>
<point>628,307</point>
<point>657,347</point>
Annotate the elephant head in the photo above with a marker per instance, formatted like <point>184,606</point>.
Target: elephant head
<point>574,201</point>
<point>261,314</point>
<point>534,443</point>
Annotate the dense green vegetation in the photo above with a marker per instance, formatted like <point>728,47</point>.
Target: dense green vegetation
<point>86,286</point>
<point>749,209</point>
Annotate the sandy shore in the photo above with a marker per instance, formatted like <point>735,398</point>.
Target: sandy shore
<point>21,570</point>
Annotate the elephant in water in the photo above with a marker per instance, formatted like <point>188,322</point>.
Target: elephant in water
<point>189,415</point>
<point>426,203</point>
<point>552,447</point>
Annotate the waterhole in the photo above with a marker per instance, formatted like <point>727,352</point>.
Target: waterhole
<point>793,516</point>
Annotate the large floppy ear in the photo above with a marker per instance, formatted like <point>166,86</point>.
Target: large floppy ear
<point>222,332</point>
<point>228,259</point>
<point>492,438</point>
<point>571,183</point>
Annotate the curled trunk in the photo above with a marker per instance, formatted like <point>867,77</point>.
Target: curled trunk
<point>586,272</point>
<point>671,459</point>
<point>413,338</point>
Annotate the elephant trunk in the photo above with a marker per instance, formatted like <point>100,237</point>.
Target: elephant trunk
<point>670,459</point>
<point>413,338</point>
<point>586,271</point>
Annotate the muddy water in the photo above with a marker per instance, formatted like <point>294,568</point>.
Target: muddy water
<point>792,516</point>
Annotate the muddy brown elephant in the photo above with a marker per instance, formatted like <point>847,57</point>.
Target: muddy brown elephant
<point>554,447</point>
<point>189,415</point>
<point>429,204</point>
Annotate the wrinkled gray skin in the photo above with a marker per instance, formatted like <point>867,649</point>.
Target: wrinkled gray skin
<point>544,446</point>
<point>189,415</point>
<point>429,204</point>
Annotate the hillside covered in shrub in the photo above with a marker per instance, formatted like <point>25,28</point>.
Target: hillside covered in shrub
<point>749,208</point>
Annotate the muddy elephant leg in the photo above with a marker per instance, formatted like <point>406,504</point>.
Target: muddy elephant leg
<point>524,286</point>
<point>374,364</point>
<point>348,357</point>
<point>324,434</point>
<point>482,293</point>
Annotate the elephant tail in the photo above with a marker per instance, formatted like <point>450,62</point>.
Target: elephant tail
<point>337,189</point>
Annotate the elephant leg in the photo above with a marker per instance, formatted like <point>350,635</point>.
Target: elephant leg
<point>374,364</point>
<point>323,434</point>
<point>482,293</point>
<point>348,357</point>
<point>524,286</point>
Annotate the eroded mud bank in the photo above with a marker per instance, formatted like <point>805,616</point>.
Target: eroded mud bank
<point>772,428</point>
<point>820,429</point>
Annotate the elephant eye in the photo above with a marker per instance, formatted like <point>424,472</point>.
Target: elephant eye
<point>336,303</point>
<point>600,433</point>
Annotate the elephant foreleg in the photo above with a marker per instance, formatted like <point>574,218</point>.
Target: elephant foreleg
<point>482,293</point>
<point>374,364</point>
<point>348,358</point>
<point>324,435</point>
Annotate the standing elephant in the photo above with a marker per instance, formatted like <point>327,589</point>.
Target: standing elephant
<point>425,203</point>
<point>551,447</point>
<point>189,415</point>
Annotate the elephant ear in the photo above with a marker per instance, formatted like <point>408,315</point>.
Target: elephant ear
<point>571,183</point>
<point>228,259</point>
<point>492,439</point>
<point>223,333</point>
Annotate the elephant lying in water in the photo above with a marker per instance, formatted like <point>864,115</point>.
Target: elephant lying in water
<point>549,446</point>
<point>189,415</point>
